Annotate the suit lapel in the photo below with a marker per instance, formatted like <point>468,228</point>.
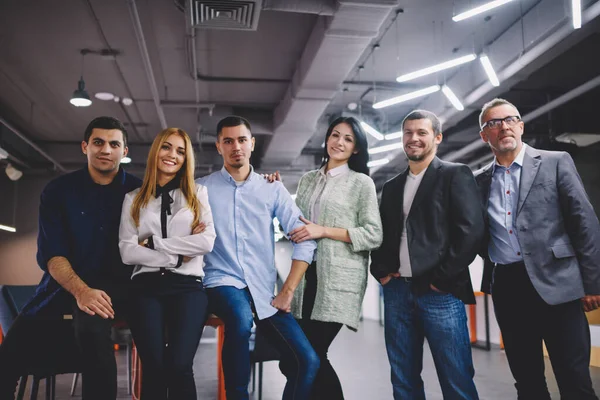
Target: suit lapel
<point>399,194</point>
<point>531,165</point>
<point>427,184</point>
<point>484,180</point>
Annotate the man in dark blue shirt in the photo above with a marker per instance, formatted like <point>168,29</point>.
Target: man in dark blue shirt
<point>84,278</point>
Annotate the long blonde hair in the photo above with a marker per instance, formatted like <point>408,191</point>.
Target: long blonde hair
<point>185,175</point>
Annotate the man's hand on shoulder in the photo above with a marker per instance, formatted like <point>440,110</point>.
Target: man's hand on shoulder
<point>95,302</point>
<point>590,302</point>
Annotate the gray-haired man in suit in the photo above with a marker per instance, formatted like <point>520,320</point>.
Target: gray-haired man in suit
<point>543,257</point>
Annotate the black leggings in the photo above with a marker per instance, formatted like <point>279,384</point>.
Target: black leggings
<point>320,335</point>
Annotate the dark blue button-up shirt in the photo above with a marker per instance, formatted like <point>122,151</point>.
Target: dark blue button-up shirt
<point>79,220</point>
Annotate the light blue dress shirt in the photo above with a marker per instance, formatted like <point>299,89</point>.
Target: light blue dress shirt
<point>504,245</point>
<point>244,250</point>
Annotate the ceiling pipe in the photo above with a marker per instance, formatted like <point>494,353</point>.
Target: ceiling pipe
<point>117,68</point>
<point>24,138</point>
<point>319,7</point>
<point>139,35</point>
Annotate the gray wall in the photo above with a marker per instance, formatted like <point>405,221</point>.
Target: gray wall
<point>17,250</point>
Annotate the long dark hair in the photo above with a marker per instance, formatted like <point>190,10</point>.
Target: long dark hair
<point>357,162</point>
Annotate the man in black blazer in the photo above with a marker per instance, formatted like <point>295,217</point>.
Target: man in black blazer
<point>432,226</point>
<point>542,252</point>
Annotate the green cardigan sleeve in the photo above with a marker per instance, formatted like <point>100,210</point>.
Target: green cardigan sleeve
<point>368,235</point>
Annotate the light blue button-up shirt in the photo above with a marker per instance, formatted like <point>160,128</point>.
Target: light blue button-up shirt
<point>504,245</point>
<point>244,250</point>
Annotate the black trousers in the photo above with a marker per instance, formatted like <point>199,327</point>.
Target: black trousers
<point>320,334</point>
<point>525,321</point>
<point>52,344</point>
<point>167,308</point>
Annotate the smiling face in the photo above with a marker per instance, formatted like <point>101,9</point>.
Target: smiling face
<point>419,140</point>
<point>104,150</point>
<point>506,138</point>
<point>170,156</point>
<point>341,144</point>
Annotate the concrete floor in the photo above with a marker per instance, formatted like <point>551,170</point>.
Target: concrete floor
<point>361,363</point>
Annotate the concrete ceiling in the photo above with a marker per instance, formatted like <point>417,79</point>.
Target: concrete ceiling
<point>289,75</point>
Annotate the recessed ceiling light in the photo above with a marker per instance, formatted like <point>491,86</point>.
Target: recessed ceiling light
<point>104,96</point>
<point>127,101</point>
<point>352,106</point>
<point>125,160</point>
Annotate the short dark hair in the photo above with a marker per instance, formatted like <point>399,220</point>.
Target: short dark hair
<point>231,121</point>
<point>105,123</point>
<point>357,162</point>
<point>436,124</point>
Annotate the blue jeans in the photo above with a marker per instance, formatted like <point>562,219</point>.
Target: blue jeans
<point>299,362</point>
<point>439,317</point>
<point>167,308</point>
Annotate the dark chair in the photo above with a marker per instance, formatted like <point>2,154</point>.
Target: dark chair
<point>260,351</point>
<point>12,301</point>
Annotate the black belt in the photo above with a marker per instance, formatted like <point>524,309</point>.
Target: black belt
<point>515,264</point>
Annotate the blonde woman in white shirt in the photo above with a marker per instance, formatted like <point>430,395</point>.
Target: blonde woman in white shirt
<point>166,228</point>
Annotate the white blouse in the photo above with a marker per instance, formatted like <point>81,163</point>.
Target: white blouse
<point>179,240</point>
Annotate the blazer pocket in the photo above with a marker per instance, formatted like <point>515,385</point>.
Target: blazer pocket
<point>563,251</point>
<point>347,275</point>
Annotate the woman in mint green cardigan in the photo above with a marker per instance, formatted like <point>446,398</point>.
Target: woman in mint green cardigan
<point>340,202</point>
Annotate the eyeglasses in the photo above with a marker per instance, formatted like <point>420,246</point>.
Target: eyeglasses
<point>497,122</point>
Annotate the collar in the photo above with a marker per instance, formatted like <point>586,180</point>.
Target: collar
<point>342,169</point>
<point>118,180</point>
<point>171,185</point>
<point>518,160</point>
<point>228,178</point>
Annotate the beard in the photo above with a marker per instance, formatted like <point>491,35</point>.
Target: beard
<point>420,157</point>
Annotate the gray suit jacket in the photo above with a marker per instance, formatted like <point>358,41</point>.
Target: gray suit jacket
<point>558,230</point>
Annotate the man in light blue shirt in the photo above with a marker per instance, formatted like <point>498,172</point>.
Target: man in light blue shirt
<point>240,272</point>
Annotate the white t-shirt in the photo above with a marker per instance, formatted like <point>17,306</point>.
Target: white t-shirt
<point>410,189</point>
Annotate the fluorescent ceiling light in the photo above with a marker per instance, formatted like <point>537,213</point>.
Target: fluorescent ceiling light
<point>481,9</point>
<point>452,98</point>
<point>387,147</point>
<point>393,135</point>
<point>576,10</point>
<point>8,228</point>
<point>371,131</point>
<point>436,68</point>
<point>489,70</point>
<point>125,160</point>
<point>406,97</point>
<point>376,163</point>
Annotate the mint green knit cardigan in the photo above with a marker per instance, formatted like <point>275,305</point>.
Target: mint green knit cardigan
<point>342,268</point>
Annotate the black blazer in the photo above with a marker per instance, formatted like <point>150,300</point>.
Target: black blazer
<point>444,227</point>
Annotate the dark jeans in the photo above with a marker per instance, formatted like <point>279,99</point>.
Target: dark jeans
<point>167,308</point>
<point>525,321</point>
<point>320,334</point>
<point>53,345</point>
<point>299,362</point>
<point>439,317</point>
